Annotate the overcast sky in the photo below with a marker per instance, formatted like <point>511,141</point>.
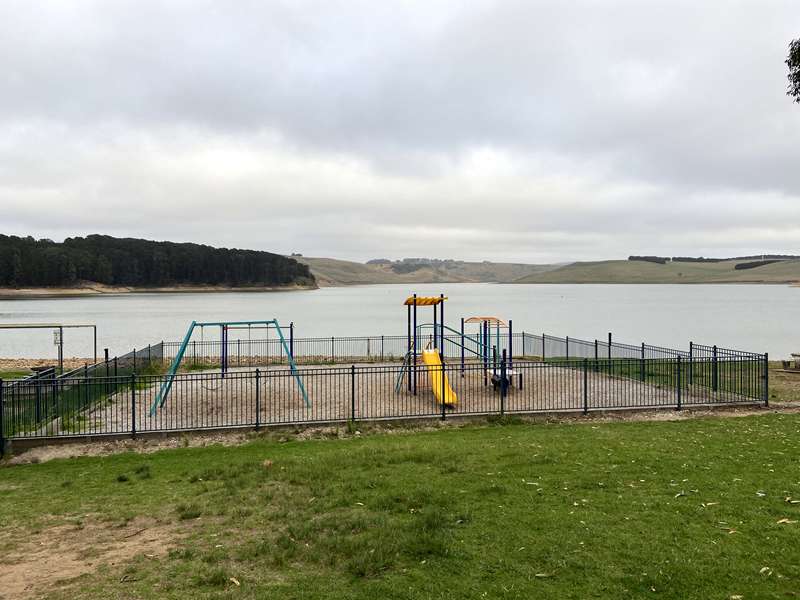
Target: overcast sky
<point>531,131</point>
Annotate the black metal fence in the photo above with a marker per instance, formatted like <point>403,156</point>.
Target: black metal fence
<point>388,348</point>
<point>111,399</point>
<point>34,404</point>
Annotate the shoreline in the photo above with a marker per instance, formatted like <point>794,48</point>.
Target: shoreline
<point>103,290</point>
<point>100,290</point>
<point>789,283</point>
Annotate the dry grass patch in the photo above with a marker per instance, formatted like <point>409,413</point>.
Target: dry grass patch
<point>55,556</point>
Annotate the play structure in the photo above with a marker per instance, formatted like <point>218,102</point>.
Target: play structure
<point>488,347</point>
<point>431,353</point>
<point>225,328</point>
<point>429,342</point>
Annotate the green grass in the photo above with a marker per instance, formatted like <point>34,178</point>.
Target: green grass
<point>511,510</point>
<point>15,374</point>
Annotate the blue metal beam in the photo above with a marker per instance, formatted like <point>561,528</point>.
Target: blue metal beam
<point>173,368</point>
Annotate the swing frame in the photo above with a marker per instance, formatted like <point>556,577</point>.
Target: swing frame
<point>224,326</point>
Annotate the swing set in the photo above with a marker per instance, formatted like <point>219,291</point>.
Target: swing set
<point>225,328</point>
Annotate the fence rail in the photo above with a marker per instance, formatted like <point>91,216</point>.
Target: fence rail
<point>388,348</point>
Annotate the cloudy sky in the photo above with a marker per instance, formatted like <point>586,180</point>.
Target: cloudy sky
<point>533,131</point>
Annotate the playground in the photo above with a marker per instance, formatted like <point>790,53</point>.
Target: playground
<point>480,367</point>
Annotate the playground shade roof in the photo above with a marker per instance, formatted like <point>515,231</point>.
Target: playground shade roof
<point>490,320</point>
<point>425,300</point>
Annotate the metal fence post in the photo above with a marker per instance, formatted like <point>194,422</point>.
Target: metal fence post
<point>133,404</point>
<point>105,352</point>
<point>544,357</point>
<point>523,345</point>
<point>567,347</point>
<point>333,349</point>
<point>609,345</point>
<point>38,399</point>
<point>381,348</point>
<point>444,405</point>
<point>258,398</point>
<point>642,370</point>
<point>352,393</point>
<point>2,421</point>
<point>585,385</point>
<point>595,355</point>
<point>690,374</point>
<point>766,380</point>
<point>678,382</point>
<point>510,345</point>
<point>503,384</point>
<point>714,370</point>
<point>291,339</point>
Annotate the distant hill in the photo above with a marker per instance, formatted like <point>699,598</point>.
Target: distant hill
<point>128,262</point>
<point>642,271</point>
<point>333,272</point>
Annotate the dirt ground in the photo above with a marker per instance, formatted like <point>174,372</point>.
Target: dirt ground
<point>59,553</point>
<point>205,400</point>
<point>784,386</point>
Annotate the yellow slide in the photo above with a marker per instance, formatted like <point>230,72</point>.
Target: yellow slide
<point>434,363</point>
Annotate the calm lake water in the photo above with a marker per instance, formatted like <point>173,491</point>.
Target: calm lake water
<point>749,317</point>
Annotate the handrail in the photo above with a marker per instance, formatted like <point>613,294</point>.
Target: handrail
<point>459,334</point>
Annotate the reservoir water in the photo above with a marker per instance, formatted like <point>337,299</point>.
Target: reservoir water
<point>760,318</point>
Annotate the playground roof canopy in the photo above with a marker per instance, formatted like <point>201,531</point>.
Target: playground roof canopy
<point>425,300</point>
<point>490,320</point>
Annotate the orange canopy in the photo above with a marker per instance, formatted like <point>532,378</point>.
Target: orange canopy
<point>425,300</point>
<point>490,320</point>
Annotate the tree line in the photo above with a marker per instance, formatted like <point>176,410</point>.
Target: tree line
<point>761,258</point>
<point>25,261</point>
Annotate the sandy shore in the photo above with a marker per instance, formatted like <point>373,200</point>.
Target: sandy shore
<point>100,290</point>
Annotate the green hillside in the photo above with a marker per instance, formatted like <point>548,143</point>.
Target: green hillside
<point>632,271</point>
<point>333,272</point>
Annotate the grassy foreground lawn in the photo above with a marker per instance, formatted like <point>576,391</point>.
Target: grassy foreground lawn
<point>691,509</point>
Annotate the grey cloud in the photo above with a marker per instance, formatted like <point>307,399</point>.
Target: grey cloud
<point>544,130</point>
